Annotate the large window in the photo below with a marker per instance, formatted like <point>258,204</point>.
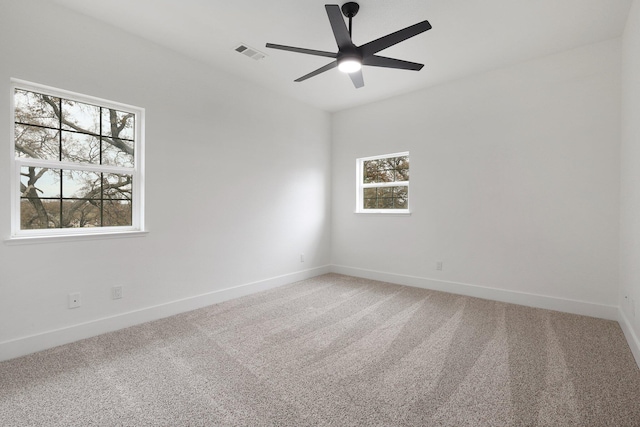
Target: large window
<point>383,183</point>
<point>78,164</point>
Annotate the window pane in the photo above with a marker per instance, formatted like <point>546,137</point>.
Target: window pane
<point>118,124</point>
<point>370,203</point>
<point>80,148</point>
<point>386,203</point>
<point>400,204</point>
<point>401,197</point>
<point>39,182</point>
<point>401,166</point>
<point>37,142</point>
<point>117,187</point>
<point>371,165</point>
<point>402,174</point>
<point>401,192</point>
<point>80,213</point>
<point>84,194</point>
<point>370,193</point>
<point>385,192</point>
<point>386,170</point>
<point>370,171</point>
<point>386,198</point>
<point>385,164</point>
<point>36,109</point>
<point>370,176</point>
<point>80,117</point>
<point>402,162</point>
<point>38,214</point>
<point>386,175</point>
<point>81,184</point>
<point>117,213</point>
<point>117,152</point>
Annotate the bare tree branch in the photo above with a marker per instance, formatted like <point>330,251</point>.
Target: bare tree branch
<point>29,191</point>
<point>76,205</point>
<point>114,140</point>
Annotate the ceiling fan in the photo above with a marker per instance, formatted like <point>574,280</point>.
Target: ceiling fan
<point>350,58</point>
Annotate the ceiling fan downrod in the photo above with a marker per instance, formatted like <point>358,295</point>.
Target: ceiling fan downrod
<point>350,10</point>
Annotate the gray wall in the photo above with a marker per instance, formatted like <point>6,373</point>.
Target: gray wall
<point>630,212</point>
<point>514,182</point>
<point>237,179</point>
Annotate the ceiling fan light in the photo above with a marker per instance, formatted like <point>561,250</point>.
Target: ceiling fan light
<point>349,65</point>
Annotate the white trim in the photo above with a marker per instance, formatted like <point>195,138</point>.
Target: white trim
<point>584,308</point>
<point>632,338</point>
<point>137,171</point>
<point>38,342</point>
<point>42,341</point>
<point>22,161</point>
<point>14,193</point>
<point>87,99</point>
<point>72,232</point>
<point>385,184</point>
<point>379,212</point>
<point>385,156</point>
<point>26,240</point>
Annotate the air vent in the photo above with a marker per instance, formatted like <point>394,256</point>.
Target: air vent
<point>250,52</point>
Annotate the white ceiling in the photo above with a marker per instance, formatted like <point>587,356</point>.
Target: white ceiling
<point>468,36</point>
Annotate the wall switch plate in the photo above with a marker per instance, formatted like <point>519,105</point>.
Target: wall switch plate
<point>301,257</point>
<point>116,292</point>
<point>74,300</point>
<point>439,265</point>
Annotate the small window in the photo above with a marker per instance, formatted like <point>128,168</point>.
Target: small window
<point>383,184</point>
<point>77,164</point>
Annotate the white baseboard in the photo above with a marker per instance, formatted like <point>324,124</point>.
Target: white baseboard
<point>632,338</point>
<point>42,341</point>
<point>584,308</point>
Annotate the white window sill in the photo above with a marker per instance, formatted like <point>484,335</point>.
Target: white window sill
<point>378,213</point>
<point>26,240</point>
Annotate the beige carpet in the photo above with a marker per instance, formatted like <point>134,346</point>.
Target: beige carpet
<point>336,350</point>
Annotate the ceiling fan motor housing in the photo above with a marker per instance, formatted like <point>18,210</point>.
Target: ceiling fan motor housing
<point>349,54</point>
<point>350,9</point>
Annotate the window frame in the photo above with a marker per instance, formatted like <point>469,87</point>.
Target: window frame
<point>360,186</point>
<point>137,171</point>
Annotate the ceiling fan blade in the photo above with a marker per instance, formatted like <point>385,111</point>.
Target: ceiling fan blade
<point>383,61</point>
<point>389,40</point>
<point>340,32</point>
<point>327,67</point>
<point>302,50</point>
<point>357,79</point>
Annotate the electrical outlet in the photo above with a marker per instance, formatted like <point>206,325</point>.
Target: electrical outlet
<point>116,292</point>
<point>301,257</point>
<point>439,265</point>
<point>74,300</point>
